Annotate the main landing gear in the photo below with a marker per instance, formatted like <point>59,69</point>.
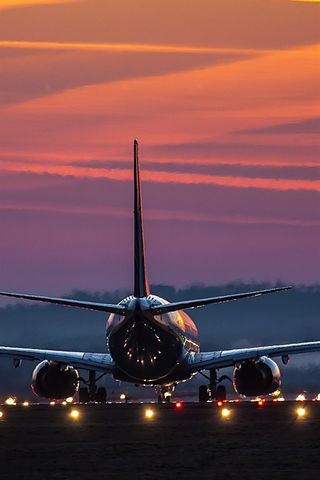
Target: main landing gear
<point>92,393</point>
<point>213,391</point>
<point>165,393</point>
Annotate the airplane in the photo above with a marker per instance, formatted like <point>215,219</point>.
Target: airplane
<point>152,342</point>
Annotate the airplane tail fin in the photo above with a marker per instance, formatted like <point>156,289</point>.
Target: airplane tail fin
<point>141,286</point>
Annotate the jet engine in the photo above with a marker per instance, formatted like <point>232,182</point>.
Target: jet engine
<point>53,380</point>
<point>257,377</point>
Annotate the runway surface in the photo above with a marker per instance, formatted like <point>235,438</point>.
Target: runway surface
<point>117,441</point>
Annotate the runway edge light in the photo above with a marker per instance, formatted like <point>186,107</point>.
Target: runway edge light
<point>149,413</point>
<point>226,413</point>
<point>74,414</point>
<point>301,412</point>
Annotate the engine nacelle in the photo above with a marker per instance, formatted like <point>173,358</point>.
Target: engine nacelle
<point>257,377</point>
<point>53,380</point>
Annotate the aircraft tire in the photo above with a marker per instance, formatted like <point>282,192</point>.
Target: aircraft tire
<point>101,395</point>
<point>203,393</point>
<point>221,393</point>
<point>84,396</point>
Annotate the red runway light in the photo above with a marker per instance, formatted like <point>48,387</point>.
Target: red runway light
<point>178,404</point>
<point>261,403</point>
<point>220,403</point>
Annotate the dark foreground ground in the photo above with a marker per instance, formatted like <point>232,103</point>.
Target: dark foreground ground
<point>117,442</point>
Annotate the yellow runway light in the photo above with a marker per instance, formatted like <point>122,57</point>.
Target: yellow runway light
<point>64,403</point>
<point>69,399</point>
<point>52,403</point>
<point>301,412</point>
<point>122,396</point>
<point>225,413</point>
<point>1,414</point>
<point>25,404</point>
<point>11,401</point>
<point>149,413</point>
<point>75,414</point>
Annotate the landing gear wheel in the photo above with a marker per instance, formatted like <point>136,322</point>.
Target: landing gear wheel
<point>84,396</point>
<point>101,395</point>
<point>164,393</point>
<point>203,393</point>
<point>221,393</point>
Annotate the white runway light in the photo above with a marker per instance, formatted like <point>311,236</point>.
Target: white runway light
<point>301,397</point>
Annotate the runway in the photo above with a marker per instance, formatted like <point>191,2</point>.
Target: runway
<point>117,441</point>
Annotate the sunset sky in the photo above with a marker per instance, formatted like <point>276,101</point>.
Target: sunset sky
<point>224,97</point>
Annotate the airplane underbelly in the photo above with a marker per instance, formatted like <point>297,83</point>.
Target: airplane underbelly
<point>144,350</point>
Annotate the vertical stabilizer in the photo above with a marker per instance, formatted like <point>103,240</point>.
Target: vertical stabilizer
<point>141,287</point>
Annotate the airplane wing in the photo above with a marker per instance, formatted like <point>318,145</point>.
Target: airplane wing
<point>89,361</point>
<point>229,358</point>
<point>201,302</point>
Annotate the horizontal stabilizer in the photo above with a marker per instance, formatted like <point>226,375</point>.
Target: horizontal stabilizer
<point>100,307</point>
<point>173,307</point>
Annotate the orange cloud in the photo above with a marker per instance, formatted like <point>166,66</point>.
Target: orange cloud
<point>166,177</point>
<point>5,4</point>
<point>123,47</point>
<point>75,158</point>
<point>213,102</point>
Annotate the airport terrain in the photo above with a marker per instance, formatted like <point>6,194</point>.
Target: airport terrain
<point>117,441</point>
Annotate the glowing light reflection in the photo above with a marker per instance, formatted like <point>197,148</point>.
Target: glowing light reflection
<point>226,413</point>
<point>75,414</point>
<point>149,413</point>
<point>301,412</point>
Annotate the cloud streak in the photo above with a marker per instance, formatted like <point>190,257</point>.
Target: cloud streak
<point>99,160</point>
<point>309,126</point>
<point>124,47</point>
<point>7,4</point>
<point>161,215</point>
<point>125,175</point>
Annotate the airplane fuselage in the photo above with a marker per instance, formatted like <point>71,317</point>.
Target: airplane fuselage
<point>148,349</point>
